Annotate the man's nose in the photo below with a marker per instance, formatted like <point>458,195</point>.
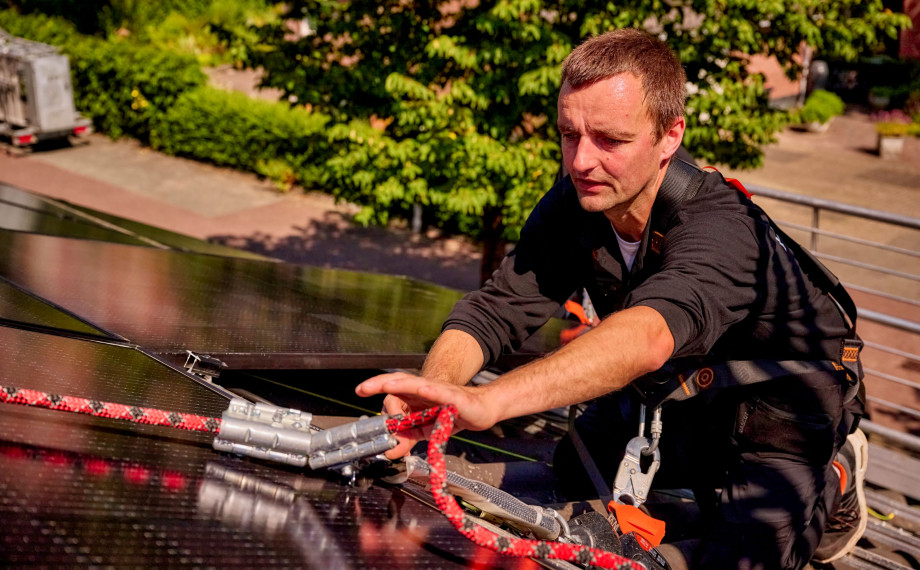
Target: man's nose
<point>585,157</point>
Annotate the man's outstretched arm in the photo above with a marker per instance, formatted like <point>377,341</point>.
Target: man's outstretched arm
<point>622,347</point>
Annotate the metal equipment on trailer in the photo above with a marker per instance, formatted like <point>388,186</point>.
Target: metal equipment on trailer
<point>36,94</point>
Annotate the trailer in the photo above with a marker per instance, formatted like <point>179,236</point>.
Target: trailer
<point>36,94</point>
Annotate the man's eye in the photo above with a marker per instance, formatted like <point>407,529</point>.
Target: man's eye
<point>612,142</point>
<point>570,136</point>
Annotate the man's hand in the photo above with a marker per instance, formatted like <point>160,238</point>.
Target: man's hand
<point>410,393</point>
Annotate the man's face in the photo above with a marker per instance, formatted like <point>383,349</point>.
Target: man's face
<point>609,148</point>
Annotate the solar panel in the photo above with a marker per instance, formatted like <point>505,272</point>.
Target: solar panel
<point>84,491</point>
<point>20,308</point>
<point>251,314</point>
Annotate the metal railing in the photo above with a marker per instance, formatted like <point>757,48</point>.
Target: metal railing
<point>905,325</point>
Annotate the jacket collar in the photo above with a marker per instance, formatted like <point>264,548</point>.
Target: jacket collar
<point>681,182</point>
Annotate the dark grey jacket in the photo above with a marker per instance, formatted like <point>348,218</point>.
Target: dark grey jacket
<point>711,265</point>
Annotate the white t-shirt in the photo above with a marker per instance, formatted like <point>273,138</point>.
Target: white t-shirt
<point>628,249</point>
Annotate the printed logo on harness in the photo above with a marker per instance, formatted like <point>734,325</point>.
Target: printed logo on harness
<point>655,241</point>
<point>646,545</point>
<point>850,354</point>
<point>704,378</point>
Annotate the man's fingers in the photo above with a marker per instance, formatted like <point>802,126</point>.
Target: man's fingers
<point>407,440</point>
<point>393,406</point>
<point>374,385</point>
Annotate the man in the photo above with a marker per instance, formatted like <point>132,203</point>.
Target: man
<point>687,275</point>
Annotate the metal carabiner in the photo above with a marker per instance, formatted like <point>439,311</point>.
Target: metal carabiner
<point>632,485</point>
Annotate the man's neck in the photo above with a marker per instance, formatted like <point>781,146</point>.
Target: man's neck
<point>630,222</point>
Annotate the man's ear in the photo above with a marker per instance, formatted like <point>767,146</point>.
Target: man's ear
<point>671,139</point>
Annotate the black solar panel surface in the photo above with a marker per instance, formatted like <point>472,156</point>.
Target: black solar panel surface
<point>20,307</point>
<point>170,301</point>
<point>82,491</point>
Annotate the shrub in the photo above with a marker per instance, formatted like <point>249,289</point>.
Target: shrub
<point>123,87</point>
<point>38,28</point>
<point>895,123</point>
<point>232,129</point>
<point>820,107</point>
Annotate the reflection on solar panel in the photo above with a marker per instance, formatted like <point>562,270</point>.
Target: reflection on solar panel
<point>22,211</point>
<point>251,314</point>
<point>166,237</point>
<point>170,301</point>
<point>25,213</point>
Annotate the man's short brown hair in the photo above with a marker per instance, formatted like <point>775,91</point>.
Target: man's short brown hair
<point>645,56</point>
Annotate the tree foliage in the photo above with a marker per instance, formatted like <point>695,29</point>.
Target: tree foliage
<point>215,31</point>
<point>451,105</point>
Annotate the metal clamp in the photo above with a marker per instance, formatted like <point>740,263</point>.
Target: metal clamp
<point>203,365</point>
<point>284,435</point>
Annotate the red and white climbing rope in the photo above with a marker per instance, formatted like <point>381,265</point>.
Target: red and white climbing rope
<point>489,539</point>
<point>136,414</point>
<point>443,418</point>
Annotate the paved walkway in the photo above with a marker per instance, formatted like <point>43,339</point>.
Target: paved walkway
<point>842,165</point>
<point>123,178</point>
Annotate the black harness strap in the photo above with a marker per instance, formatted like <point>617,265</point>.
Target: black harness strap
<point>685,384</point>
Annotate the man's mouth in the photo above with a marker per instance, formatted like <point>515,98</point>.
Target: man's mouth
<point>588,186</point>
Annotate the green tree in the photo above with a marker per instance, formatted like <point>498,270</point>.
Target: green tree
<point>450,106</point>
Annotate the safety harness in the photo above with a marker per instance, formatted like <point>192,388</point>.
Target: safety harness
<point>632,482</point>
<point>682,183</point>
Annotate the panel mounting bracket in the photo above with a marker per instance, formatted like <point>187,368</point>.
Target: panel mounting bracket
<point>203,365</point>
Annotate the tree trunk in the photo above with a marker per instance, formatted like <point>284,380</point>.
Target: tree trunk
<point>493,242</point>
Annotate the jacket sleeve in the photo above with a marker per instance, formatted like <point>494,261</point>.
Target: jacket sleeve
<point>706,283</point>
<point>531,284</point>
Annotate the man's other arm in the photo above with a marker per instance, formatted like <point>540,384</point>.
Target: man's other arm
<point>624,346</point>
<point>455,358</point>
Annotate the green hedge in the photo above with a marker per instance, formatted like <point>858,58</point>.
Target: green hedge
<point>161,99</point>
<point>123,87</point>
<point>232,129</point>
<point>119,85</point>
